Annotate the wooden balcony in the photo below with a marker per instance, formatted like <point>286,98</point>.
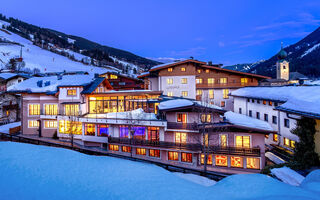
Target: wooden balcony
<point>186,146</point>
<point>186,126</point>
<point>224,85</point>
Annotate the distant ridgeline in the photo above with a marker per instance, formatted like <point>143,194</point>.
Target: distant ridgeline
<point>44,37</point>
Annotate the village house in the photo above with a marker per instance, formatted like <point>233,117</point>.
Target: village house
<point>123,82</point>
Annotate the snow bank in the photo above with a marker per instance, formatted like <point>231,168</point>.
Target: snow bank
<point>5,128</point>
<point>243,120</point>
<point>134,114</point>
<point>274,158</point>
<point>312,181</point>
<point>196,179</point>
<point>288,176</point>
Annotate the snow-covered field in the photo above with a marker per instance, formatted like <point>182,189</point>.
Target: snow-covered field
<point>39,172</point>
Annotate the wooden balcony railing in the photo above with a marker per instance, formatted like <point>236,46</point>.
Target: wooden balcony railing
<point>224,85</point>
<point>186,146</point>
<point>187,126</point>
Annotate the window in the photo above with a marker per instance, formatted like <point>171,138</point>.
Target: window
<point>222,161</point>
<point>292,143</point>
<point>181,138</point>
<point>211,94</point>
<point>274,119</point>
<point>34,109</point>
<point>236,161</point>
<point>184,93</point>
<point>223,140</point>
<point>222,104</point>
<point>199,80</point>
<point>113,147</point>
<point>72,92</point>
<point>244,81</point>
<point>209,159</point>
<point>210,80</point>
<point>243,141</point>
<point>50,124</point>
<point>153,133</point>
<point>199,71</point>
<point>183,69</point>
<point>51,109</point>
<point>258,101</point>
<point>266,117</point>
<point>240,111</point>
<point>103,130</point>
<point>250,113</point>
<point>170,94</point>
<point>184,81</point>
<point>112,76</point>
<point>33,124</point>
<point>225,93</point>
<point>248,100</point>
<point>286,123</point>
<point>182,117</point>
<point>205,118</point>
<point>68,127</point>
<point>252,100</point>
<point>286,141</point>
<point>223,80</point>
<point>206,139</point>
<point>264,102</point>
<point>186,157</point>
<point>172,155</point>
<point>275,137</point>
<point>154,153</point>
<point>71,109</point>
<point>169,81</point>
<point>90,129</point>
<point>199,92</point>
<point>207,71</point>
<point>258,115</point>
<point>141,151</point>
<point>170,69</point>
<point>275,104</point>
<point>270,103</point>
<point>126,149</point>
<point>253,163</point>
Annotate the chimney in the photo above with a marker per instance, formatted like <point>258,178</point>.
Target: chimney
<point>191,57</point>
<point>210,63</point>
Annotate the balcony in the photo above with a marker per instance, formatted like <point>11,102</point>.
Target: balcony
<point>224,85</point>
<point>186,126</point>
<point>190,147</point>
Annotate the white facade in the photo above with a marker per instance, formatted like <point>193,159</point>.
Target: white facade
<point>175,86</point>
<point>14,81</point>
<point>226,102</point>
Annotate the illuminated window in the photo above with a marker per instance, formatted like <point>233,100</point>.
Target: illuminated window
<point>222,104</point>
<point>264,102</point>
<point>72,92</point>
<point>270,103</point>
<point>209,159</point>
<point>51,109</point>
<point>199,92</point>
<point>7,113</point>
<point>90,129</point>
<point>222,161</point>
<point>183,69</point>
<point>172,155</point>
<point>210,80</point>
<point>181,138</point>
<point>199,71</point>
<point>244,81</point>
<point>184,81</point>
<point>182,117</point>
<point>126,149</point>
<point>170,69</point>
<point>225,93</point>
<point>169,81</point>
<point>207,71</point>
<point>292,143</point>
<point>112,76</point>
<point>199,81</point>
<point>223,140</point>
<point>170,94</point>
<point>275,137</point>
<point>153,134</point>
<point>206,139</point>
<point>253,163</point>
<point>236,161</point>
<point>113,147</point>
<point>34,109</point>
<point>71,109</point>
<point>184,93</point>
<point>50,124</point>
<point>154,153</point>
<point>223,80</point>
<point>243,141</point>
<point>211,94</point>
<point>141,151</point>
<point>68,127</point>
<point>33,124</point>
<point>103,130</point>
<point>186,157</point>
<point>205,118</point>
<point>286,141</point>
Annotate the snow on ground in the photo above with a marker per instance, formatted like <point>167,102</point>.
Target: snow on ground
<point>40,172</point>
<point>274,158</point>
<point>196,179</point>
<point>311,182</point>
<point>125,64</point>
<point>46,61</point>
<point>310,50</point>
<point>176,103</point>
<point>243,120</point>
<point>288,176</point>
<point>5,128</point>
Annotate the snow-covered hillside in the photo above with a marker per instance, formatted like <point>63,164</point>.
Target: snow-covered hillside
<point>131,69</point>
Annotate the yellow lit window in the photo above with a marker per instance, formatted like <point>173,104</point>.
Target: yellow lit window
<point>68,127</point>
<point>223,140</point>
<point>182,117</point>
<point>292,144</point>
<point>50,124</point>
<point>72,109</point>
<point>140,151</point>
<point>199,80</point>
<point>154,153</point>
<point>181,138</point>
<point>33,123</point>
<point>126,149</point>
<point>184,80</point>
<point>270,103</point>
<point>172,155</point>
<point>170,94</point>
<point>112,76</point>
<point>51,109</point>
<point>207,71</point>
<point>253,163</point>
<point>72,92</point>
<point>243,141</point>
<point>206,118</point>
<point>199,92</point>
<point>169,81</point>
<point>170,69</point>
<point>286,141</point>
<point>209,159</point>
<point>222,161</point>
<point>210,80</point>
<point>236,161</point>
<point>186,157</point>
<point>225,93</point>
<point>183,69</point>
<point>275,137</point>
<point>244,81</point>
<point>184,93</point>
<point>34,109</point>
<point>199,71</point>
<point>222,104</point>
<point>264,102</point>
<point>211,94</point>
<point>113,147</point>
<point>223,80</point>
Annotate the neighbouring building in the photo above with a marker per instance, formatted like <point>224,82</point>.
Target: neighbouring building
<point>199,80</point>
<point>142,123</point>
<point>9,79</point>
<point>123,82</point>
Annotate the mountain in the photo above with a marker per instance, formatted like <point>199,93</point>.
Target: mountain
<point>304,57</point>
<point>246,67</point>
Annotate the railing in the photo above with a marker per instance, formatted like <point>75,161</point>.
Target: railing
<point>187,126</point>
<point>223,85</point>
<point>185,146</point>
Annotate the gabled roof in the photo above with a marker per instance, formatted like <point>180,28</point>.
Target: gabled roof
<point>296,76</point>
<point>9,76</point>
<point>166,65</point>
<point>94,84</point>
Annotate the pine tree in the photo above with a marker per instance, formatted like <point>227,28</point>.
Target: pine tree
<point>304,153</point>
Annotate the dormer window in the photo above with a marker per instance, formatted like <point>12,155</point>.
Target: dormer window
<point>72,92</point>
<point>183,69</point>
<point>170,69</point>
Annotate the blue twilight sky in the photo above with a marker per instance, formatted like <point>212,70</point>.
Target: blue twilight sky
<point>224,31</point>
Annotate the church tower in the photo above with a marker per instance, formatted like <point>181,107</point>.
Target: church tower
<point>282,65</point>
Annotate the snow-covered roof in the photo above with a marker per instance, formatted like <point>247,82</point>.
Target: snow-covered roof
<point>180,103</point>
<point>245,121</point>
<point>7,75</point>
<point>31,85</point>
<point>137,114</point>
